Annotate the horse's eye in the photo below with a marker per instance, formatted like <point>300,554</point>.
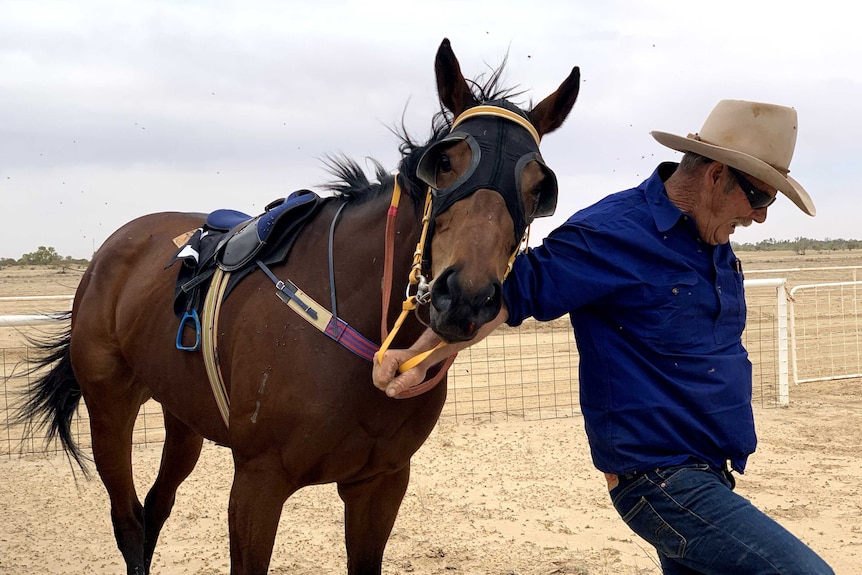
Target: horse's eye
<point>444,164</point>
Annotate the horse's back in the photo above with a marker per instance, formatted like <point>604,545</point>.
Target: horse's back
<point>131,263</point>
<point>146,238</point>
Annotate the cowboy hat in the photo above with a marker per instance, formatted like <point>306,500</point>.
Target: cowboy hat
<point>755,138</point>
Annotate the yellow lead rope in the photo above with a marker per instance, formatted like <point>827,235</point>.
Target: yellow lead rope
<point>411,302</point>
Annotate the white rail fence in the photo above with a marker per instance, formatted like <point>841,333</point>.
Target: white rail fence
<point>33,319</point>
<point>812,332</point>
<point>826,331</point>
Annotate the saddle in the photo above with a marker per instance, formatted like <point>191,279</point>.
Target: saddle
<point>234,242</point>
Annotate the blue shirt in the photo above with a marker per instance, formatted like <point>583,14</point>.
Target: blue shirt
<point>658,316</point>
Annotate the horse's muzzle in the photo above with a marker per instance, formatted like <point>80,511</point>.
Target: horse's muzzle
<point>459,308</point>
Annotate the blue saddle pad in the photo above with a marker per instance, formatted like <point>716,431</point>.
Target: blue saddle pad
<point>225,220</point>
<point>276,230</point>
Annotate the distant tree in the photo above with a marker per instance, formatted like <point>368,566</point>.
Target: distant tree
<point>800,245</point>
<point>41,257</point>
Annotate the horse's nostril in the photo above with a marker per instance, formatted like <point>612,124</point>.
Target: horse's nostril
<point>452,282</point>
<point>449,295</point>
<point>459,312</point>
<point>445,290</point>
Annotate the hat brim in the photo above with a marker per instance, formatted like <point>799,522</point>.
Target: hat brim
<point>744,163</point>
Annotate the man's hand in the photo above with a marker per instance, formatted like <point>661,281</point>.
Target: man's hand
<point>385,373</point>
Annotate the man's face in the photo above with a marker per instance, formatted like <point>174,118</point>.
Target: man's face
<point>730,206</point>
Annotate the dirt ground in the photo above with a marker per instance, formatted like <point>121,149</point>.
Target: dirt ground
<point>501,498</point>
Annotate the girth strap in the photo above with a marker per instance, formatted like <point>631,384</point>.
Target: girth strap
<point>209,341</point>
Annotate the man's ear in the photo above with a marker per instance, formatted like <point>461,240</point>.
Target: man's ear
<point>715,175</point>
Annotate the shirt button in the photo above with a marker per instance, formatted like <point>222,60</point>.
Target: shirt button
<point>674,291</point>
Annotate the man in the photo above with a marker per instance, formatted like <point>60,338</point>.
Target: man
<point>655,296</point>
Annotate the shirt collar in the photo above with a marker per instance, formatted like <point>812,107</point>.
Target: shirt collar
<point>665,214</point>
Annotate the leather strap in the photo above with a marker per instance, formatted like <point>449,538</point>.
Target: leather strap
<point>410,302</point>
<point>389,256</point>
<point>209,342</point>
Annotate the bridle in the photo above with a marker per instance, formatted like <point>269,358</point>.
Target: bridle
<point>475,130</point>
<point>511,141</point>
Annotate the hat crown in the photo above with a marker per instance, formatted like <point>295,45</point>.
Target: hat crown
<point>755,138</point>
<point>764,131</point>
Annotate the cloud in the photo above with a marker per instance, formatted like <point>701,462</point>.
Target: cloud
<point>152,106</point>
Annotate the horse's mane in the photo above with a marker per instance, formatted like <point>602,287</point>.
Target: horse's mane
<point>351,182</point>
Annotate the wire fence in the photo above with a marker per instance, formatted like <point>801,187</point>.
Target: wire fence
<point>531,372</point>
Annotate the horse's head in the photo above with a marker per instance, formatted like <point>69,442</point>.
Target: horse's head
<point>488,183</point>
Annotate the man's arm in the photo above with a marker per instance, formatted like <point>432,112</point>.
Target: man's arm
<point>385,374</point>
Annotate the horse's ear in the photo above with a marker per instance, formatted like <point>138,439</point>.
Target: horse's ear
<point>550,113</point>
<point>453,89</point>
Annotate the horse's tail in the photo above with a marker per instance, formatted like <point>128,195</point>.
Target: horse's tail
<point>51,402</point>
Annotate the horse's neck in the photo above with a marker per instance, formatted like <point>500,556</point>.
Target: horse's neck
<point>370,219</point>
<point>360,254</point>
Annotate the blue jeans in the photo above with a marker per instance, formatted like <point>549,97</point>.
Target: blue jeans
<point>691,515</point>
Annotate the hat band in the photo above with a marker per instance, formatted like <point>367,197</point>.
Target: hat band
<point>696,137</point>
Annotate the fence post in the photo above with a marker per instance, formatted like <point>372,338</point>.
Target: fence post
<point>781,305</point>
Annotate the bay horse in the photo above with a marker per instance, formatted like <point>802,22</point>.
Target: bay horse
<point>302,409</point>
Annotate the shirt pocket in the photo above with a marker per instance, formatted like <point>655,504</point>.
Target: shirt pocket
<point>670,311</point>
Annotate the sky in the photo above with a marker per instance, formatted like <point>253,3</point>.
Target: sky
<point>113,109</point>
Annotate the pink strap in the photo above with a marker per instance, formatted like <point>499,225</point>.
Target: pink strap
<point>428,383</point>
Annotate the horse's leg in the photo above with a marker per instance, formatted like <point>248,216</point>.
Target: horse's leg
<point>179,455</point>
<point>370,509</point>
<point>113,403</point>
<point>259,490</point>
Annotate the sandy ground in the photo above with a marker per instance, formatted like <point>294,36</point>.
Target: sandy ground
<point>502,498</point>
<point>485,498</point>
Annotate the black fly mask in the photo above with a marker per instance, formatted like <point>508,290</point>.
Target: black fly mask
<point>502,142</point>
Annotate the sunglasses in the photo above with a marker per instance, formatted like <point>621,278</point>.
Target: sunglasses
<point>757,199</point>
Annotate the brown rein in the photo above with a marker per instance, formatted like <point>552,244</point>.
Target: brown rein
<point>411,301</point>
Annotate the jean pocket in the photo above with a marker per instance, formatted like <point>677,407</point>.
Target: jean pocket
<point>644,520</point>
<point>626,486</point>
